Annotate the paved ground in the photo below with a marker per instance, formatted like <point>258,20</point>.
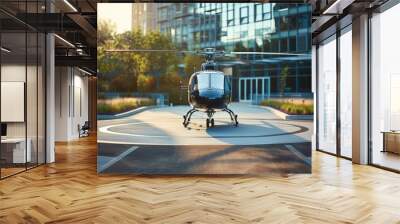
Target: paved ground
<point>218,159</point>
<point>163,126</point>
<point>155,142</point>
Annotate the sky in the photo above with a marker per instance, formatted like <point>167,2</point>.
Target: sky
<point>118,13</point>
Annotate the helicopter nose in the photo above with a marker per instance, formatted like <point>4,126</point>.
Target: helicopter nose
<point>211,93</point>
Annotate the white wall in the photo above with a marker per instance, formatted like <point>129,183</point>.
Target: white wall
<point>61,103</point>
<point>14,73</point>
<point>33,126</point>
<point>17,73</point>
<point>71,102</point>
<point>80,112</point>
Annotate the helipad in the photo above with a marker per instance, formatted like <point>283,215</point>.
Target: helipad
<point>163,126</point>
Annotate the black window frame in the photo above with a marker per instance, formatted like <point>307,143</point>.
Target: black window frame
<point>244,19</point>
<point>230,21</point>
<point>267,14</point>
<point>260,8</point>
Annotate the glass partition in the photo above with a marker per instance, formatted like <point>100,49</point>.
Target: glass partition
<point>14,145</point>
<point>385,89</point>
<point>346,92</point>
<point>327,95</point>
<point>22,88</point>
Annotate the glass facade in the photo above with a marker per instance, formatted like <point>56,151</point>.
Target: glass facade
<point>327,128</point>
<point>385,89</point>
<point>378,75</point>
<point>22,87</point>
<point>247,27</point>
<point>334,117</point>
<point>346,92</point>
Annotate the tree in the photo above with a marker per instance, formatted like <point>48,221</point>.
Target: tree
<point>123,83</point>
<point>192,64</point>
<point>141,70</point>
<point>160,61</point>
<point>105,32</point>
<point>170,83</point>
<point>146,83</point>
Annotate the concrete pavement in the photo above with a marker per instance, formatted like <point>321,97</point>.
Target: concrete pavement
<point>163,126</point>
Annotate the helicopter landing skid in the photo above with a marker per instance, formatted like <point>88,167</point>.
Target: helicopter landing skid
<point>233,116</point>
<point>210,119</point>
<point>186,118</point>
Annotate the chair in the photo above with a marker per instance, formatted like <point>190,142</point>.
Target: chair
<point>84,130</point>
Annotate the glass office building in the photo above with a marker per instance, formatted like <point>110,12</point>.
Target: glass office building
<point>248,27</point>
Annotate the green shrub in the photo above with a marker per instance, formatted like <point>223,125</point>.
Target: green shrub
<point>120,105</point>
<point>290,107</point>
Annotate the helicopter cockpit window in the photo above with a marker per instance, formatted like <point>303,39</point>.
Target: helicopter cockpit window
<point>217,80</point>
<point>203,80</point>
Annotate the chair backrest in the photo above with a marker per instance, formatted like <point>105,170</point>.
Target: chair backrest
<point>86,125</point>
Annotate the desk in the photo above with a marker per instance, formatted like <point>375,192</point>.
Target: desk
<point>391,141</point>
<point>16,147</point>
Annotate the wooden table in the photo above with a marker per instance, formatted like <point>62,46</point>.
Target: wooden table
<point>391,141</point>
<point>17,148</point>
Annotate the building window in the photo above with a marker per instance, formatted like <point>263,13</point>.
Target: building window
<point>258,12</point>
<point>267,11</point>
<point>244,15</point>
<point>284,45</point>
<point>162,14</point>
<point>262,12</point>
<point>283,23</point>
<point>292,44</point>
<point>302,42</point>
<point>292,22</point>
<point>303,21</point>
<point>230,18</point>
<point>177,7</point>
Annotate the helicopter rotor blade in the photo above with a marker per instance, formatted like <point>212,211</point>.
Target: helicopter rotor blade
<point>206,53</point>
<point>266,53</point>
<point>145,50</point>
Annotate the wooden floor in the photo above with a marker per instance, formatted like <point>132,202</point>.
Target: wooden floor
<point>70,191</point>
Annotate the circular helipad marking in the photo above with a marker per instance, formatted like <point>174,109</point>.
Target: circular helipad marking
<point>295,129</point>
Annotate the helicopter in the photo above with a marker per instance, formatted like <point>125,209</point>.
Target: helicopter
<point>209,90</point>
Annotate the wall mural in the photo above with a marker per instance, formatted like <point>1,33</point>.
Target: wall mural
<point>204,88</point>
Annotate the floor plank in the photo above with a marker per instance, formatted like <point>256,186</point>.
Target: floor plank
<point>70,191</point>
